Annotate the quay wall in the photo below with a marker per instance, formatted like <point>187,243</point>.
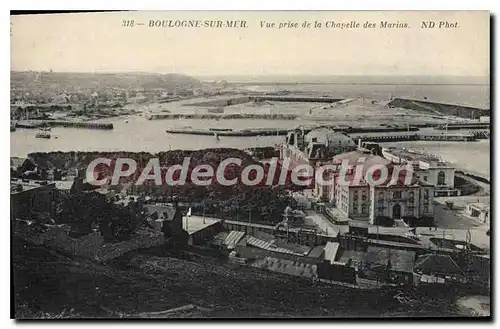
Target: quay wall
<point>469,126</point>
<point>34,124</point>
<point>213,116</point>
<point>281,132</point>
<point>238,133</point>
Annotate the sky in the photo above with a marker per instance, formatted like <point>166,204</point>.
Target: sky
<point>97,42</point>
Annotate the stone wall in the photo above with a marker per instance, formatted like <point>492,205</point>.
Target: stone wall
<point>90,246</point>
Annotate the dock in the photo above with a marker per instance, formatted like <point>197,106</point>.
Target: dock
<point>35,124</point>
<point>214,116</point>
<point>460,126</point>
<point>230,133</point>
<point>417,136</point>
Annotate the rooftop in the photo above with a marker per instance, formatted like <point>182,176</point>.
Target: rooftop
<point>329,137</point>
<point>399,259</point>
<point>18,186</point>
<point>193,224</point>
<point>411,155</point>
<point>481,206</point>
<point>64,184</point>
<point>437,263</point>
<point>17,162</point>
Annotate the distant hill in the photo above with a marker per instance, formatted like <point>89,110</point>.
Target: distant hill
<point>70,81</point>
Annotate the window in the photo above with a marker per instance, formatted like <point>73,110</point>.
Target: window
<point>363,197</point>
<point>426,208</point>
<point>412,197</point>
<point>363,209</point>
<point>396,195</point>
<point>426,194</point>
<point>441,178</point>
<point>425,178</point>
<point>355,197</point>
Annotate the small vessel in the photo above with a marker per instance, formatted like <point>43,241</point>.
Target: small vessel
<point>45,128</point>
<point>42,134</point>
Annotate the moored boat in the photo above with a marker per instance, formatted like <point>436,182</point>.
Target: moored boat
<point>42,135</point>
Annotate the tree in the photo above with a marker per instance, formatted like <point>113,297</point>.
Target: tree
<point>85,211</point>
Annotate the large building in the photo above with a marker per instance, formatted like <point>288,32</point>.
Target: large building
<point>429,168</point>
<point>393,198</point>
<point>319,144</point>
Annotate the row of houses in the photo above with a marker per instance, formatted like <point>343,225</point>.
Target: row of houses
<point>333,262</point>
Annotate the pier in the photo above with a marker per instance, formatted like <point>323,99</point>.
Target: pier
<point>212,116</point>
<point>418,136</point>
<point>230,133</point>
<point>35,124</point>
<point>459,126</point>
<point>366,134</point>
<point>296,99</point>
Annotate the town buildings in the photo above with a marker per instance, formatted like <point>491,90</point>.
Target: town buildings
<point>404,195</point>
<point>397,197</point>
<point>319,144</point>
<point>429,168</point>
<point>478,210</point>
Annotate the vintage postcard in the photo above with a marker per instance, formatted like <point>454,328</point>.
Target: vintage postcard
<point>250,164</point>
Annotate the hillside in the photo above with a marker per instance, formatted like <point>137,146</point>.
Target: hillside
<point>46,283</point>
<point>69,81</point>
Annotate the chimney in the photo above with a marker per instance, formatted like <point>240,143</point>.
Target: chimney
<point>359,142</point>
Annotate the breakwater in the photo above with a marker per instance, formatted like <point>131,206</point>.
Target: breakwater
<point>439,108</point>
<point>212,116</point>
<point>34,124</point>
